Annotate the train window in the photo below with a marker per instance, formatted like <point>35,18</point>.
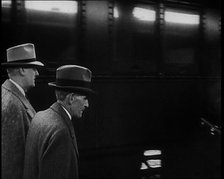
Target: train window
<point>181,18</point>
<point>134,40</point>
<point>180,41</point>
<point>59,13</point>
<point>144,14</point>
<point>212,42</point>
<point>52,26</point>
<point>6,5</point>
<point>116,13</point>
<point>212,23</point>
<point>68,7</point>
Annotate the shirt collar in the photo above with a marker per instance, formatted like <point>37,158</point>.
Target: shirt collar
<point>18,86</point>
<point>69,115</point>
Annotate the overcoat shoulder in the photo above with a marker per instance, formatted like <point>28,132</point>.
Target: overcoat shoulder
<point>51,147</point>
<point>16,114</point>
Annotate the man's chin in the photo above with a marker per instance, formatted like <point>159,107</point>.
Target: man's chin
<point>31,86</point>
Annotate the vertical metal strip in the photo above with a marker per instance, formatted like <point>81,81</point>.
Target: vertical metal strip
<point>111,38</point>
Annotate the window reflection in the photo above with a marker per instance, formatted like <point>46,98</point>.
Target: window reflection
<point>181,18</point>
<point>6,3</point>
<point>144,14</point>
<point>69,7</point>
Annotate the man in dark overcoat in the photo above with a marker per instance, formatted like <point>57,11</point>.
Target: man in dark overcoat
<point>51,148</point>
<point>16,110</point>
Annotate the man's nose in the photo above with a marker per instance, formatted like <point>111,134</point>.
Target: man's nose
<point>87,103</point>
<point>36,72</point>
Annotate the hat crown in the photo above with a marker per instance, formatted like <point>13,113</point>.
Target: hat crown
<point>23,55</point>
<point>73,78</point>
<point>21,52</point>
<point>74,73</point>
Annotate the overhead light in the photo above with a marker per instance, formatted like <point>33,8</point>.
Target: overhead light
<point>144,14</point>
<point>69,7</point>
<point>181,18</point>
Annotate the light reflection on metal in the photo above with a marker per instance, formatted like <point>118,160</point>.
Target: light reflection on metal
<point>116,13</point>
<point>143,166</point>
<point>152,152</point>
<point>150,160</point>
<point>154,163</point>
<point>144,14</point>
<point>213,128</point>
<point>6,3</point>
<point>68,7</point>
<point>181,18</point>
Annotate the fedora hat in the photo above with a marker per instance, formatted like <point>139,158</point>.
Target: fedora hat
<point>73,78</point>
<point>21,56</point>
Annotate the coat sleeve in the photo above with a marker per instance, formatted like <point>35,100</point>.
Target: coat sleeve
<point>14,126</point>
<point>56,157</point>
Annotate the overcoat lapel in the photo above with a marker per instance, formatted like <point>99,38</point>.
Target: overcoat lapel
<point>11,87</point>
<point>58,109</point>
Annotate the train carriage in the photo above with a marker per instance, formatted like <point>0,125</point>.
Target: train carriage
<point>157,71</point>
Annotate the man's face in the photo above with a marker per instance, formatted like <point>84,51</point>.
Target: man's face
<point>78,105</point>
<point>29,77</point>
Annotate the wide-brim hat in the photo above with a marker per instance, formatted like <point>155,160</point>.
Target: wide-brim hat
<point>23,55</point>
<point>73,78</point>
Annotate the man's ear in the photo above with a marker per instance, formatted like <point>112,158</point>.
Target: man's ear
<point>70,98</point>
<point>21,71</point>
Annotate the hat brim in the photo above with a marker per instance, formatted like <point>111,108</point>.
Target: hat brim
<point>34,63</point>
<point>80,90</point>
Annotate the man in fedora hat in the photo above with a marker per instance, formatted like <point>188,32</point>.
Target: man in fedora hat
<point>16,110</point>
<point>51,147</point>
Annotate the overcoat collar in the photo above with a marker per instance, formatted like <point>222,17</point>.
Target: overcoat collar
<point>12,88</point>
<point>58,109</point>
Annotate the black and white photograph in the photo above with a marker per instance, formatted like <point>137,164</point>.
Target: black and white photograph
<point>111,89</point>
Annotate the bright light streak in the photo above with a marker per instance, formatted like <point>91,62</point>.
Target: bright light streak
<point>144,14</point>
<point>154,163</point>
<point>181,18</point>
<point>116,14</point>
<point>143,166</point>
<point>6,3</point>
<point>152,152</point>
<point>69,7</point>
